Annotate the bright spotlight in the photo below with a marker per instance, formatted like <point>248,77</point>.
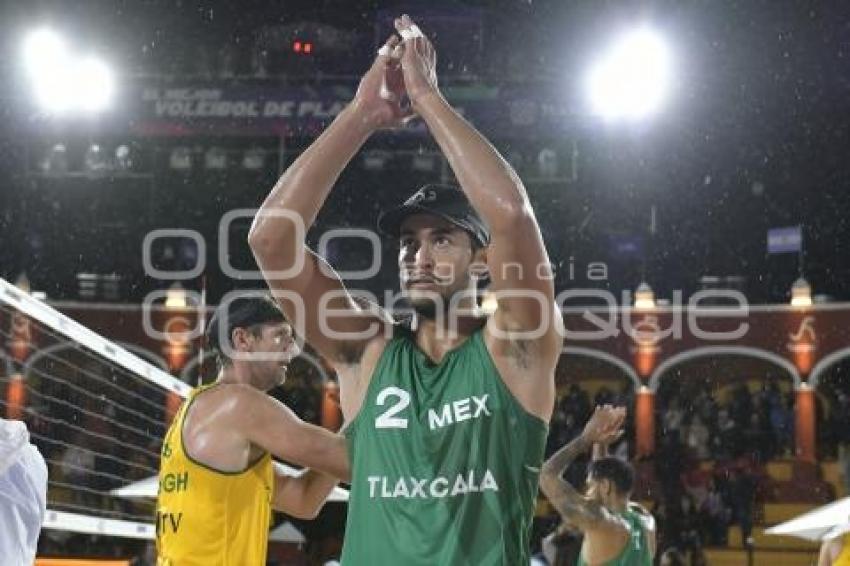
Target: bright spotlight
<point>44,52</point>
<point>64,81</point>
<point>94,85</point>
<point>631,80</point>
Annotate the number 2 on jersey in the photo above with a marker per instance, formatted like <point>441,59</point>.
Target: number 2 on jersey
<point>388,419</point>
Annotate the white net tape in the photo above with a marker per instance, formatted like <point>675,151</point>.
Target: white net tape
<point>96,412</point>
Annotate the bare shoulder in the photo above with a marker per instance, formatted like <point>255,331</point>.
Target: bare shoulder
<point>217,404</point>
<point>356,377</point>
<point>526,362</point>
<point>212,435</point>
<point>604,521</point>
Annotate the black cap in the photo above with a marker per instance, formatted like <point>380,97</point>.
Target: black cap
<point>242,312</point>
<point>445,201</point>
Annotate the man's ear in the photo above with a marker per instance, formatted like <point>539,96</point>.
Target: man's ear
<point>241,339</point>
<point>608,488</point>
<point>478,269</point>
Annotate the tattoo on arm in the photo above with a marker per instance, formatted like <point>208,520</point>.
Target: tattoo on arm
<point>569,503</point>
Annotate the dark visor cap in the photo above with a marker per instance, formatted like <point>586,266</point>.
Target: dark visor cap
<point>242,312</point>
<point>447,202</point>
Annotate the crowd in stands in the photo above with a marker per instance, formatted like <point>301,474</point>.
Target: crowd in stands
<point>708,468</point>
<point>711,450</point>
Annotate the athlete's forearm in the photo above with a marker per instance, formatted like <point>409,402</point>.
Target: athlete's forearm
<point>303,496</point>
<point>327,452</point>
<point>600,450</point>
<point>306,184</point>
<point>569,503</point>
<point>490,183</point>
<point>558,463</point>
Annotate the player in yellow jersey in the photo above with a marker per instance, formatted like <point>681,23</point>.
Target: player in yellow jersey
<point>217,485</point>
<point>835,551</point>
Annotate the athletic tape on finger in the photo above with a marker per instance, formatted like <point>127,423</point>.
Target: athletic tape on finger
<point>388,95</point>
<point>410,33</point>
<point>384,51</point>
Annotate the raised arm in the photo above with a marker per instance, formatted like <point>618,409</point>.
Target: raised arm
<point>570,504</point>
<point>277,237</point>
<point>516,257</point>
<point>615,431</point>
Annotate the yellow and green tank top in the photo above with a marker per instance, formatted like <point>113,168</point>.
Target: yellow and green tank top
<point>843,559</point>
<point>207,517</point>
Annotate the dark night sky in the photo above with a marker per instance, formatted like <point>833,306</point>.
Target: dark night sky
<point>754,135</point>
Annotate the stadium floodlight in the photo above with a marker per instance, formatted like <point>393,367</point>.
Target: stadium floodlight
<point>801,293</point>
<point>93,85</point>
<point>424,162</point>
<point>215,159</point>
<point>44,51</point>
<point>254,159</point>
<point>632,79</point>
<point>180,159</point>
<point>55,160</point>
<point>62,80</point>
<point>644,297</point>
<point>95,159</point>
<point>124,159</point>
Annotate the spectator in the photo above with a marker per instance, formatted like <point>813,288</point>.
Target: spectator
<point>562,546</point>
<point>781,421</point>
<point>672,557</point>
<point>842,432</point>
<point>715,517</point>
<point>673,419</point>
<point>698,438</point>
<point>577,403</point>
<point>729,444</point>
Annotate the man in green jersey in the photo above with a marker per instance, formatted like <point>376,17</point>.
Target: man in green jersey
<point>448,415</point>
<point>617,532</point>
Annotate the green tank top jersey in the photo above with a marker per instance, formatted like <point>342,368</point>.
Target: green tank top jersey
<point>445,463</point>
<point>636,552</point>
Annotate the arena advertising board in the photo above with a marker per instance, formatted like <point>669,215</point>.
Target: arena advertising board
<point>266,109</point>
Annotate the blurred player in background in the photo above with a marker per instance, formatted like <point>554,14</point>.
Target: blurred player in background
<point>617,532</point>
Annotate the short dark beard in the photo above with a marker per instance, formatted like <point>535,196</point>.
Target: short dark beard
<point>427,310</point>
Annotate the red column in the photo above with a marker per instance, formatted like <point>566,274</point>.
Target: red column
<point>178,345</point>
<point>331,414</point>
<point>20,344</point>
<point>15,397</point>
<point>804,412</point>
<point>645,421</point>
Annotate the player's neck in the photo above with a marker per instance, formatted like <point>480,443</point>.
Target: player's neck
<point>618,505</point>
<point>235,374</point>
<point>437,338</point>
